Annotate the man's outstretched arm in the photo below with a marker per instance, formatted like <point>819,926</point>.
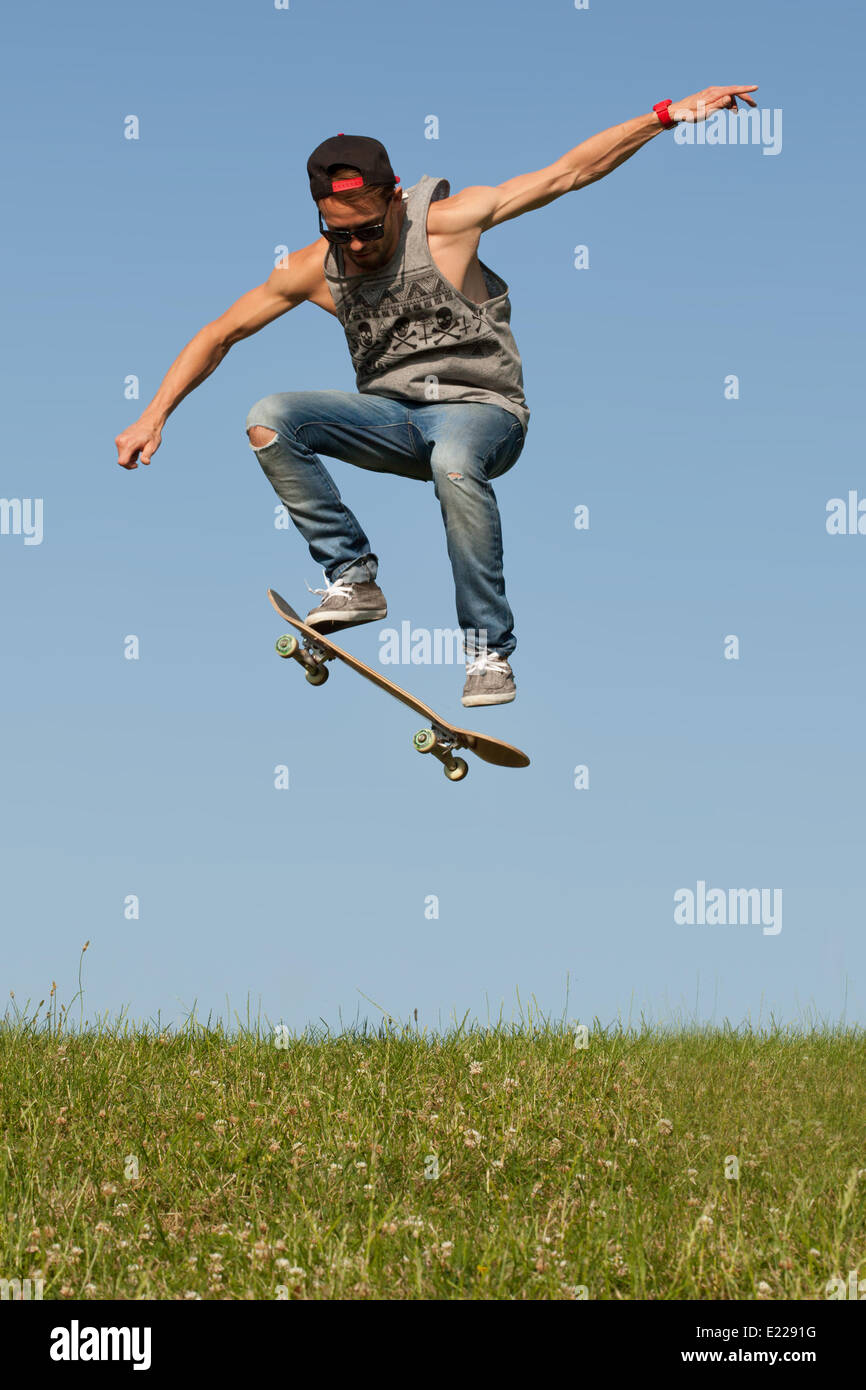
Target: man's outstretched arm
<point>486,207</point>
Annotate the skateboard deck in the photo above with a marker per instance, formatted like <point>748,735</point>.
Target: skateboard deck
<point>442,738</point>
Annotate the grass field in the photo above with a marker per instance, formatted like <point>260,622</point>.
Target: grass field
<point>485,1163</point>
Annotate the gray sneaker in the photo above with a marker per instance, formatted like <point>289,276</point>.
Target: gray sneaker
<point>344,605</point>
<point>489,680</point>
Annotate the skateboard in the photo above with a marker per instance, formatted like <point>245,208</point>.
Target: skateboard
<point>442,738</point>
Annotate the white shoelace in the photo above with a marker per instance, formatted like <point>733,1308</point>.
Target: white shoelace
<point>486,661</point>
<point>335,590</point>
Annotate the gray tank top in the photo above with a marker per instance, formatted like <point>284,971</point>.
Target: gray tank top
<point>412,334</point>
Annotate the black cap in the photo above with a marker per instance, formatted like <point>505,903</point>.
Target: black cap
<point>360,152</point>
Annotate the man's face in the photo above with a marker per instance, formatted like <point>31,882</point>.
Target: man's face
<point>367,255</point>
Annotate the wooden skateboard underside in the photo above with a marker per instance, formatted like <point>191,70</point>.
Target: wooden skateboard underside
<point>444,737</point>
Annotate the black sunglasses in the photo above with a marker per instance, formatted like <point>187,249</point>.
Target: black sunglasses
<point>371,231</point>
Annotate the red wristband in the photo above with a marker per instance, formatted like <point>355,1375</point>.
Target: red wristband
<point>662,110</point>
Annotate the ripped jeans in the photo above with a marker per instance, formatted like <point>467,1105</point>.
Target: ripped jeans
<point>459,446</point>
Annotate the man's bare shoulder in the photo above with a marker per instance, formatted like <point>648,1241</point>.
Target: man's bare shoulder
<point>301,273</point>
<point>465,212</point>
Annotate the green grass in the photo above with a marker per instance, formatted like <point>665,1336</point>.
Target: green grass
<point>308,1167</point>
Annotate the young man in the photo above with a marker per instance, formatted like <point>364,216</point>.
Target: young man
<point>439,378</point>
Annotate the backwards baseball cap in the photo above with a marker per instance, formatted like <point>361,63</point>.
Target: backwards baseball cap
<point>360,152</point>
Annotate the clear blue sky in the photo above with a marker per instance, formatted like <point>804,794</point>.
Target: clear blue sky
<point>155,777</point>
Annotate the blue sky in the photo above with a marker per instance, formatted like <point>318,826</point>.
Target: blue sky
<point>155,777</point>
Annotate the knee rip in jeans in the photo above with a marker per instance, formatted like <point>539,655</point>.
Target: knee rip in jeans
<point>257,436</point>
<point>456,477</point>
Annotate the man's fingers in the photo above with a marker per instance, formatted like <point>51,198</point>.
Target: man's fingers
<point>726,93</point>
<point>728,102</point>
<point>129,455</point>
<point>127,460</point>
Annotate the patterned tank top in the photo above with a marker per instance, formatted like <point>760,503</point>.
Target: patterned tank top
<point>412,334</point>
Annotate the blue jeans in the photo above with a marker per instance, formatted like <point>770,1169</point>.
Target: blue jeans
<point>458,445</point>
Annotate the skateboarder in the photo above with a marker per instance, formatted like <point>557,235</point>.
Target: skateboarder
<point>440,381</point>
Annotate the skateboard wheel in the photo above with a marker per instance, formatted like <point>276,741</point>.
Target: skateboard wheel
<point>425,740</point>
<point>287,645</point>
<point>317,675</point>
<point>458,771</point>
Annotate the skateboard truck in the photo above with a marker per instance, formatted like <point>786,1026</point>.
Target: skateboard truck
<point>438,742</point>
<point>311,657</point>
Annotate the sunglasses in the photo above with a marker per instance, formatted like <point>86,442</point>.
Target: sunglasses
<point>338,236</point>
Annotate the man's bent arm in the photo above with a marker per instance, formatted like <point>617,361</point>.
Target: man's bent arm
<point>287,286</point>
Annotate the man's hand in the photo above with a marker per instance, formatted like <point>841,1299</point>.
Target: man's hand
<point>142,439</point>
<point>703,104</point>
